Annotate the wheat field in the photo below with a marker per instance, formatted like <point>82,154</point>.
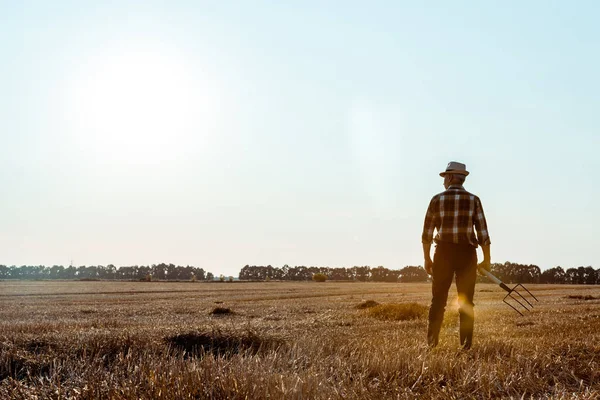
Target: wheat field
<point>286,340</point>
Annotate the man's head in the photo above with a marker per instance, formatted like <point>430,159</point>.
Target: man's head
<point>453,179</point>
<point>455,174</point>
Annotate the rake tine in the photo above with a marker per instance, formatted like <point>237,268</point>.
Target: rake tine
<point>531,294</point>
<point>517,292</point>
<point>518,301</point>
<point>511,306</point>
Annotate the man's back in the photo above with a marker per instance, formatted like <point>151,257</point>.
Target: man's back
<point>456,214</point>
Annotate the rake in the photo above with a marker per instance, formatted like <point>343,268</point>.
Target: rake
<point>513,295</point>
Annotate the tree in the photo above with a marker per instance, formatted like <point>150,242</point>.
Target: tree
<point>56,271</point>
<point>589,275</point>
<point>553,275</point>
<point>361,273</point>
<point>4,272</point>
<point>575,276</point>
<point>413,274</point>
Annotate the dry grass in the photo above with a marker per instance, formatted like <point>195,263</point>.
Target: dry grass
<point>398,312</point>
<point>99,340</point>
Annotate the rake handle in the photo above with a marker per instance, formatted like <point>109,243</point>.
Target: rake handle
<point>494,279</point>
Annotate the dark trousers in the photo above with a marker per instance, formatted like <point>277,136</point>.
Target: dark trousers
<point>449,260</point>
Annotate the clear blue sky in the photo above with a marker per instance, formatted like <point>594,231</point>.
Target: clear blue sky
<point>220,134</point>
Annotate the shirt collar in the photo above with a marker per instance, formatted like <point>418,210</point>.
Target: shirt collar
<point>459,187</point>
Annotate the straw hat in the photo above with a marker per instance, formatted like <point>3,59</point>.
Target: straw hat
<point>455,168</point>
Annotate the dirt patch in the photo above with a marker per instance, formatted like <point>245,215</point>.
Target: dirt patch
<point>582,297</point>
<point>221,311</point>
<point>367,304</point>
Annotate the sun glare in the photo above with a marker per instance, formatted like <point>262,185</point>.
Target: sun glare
<point>140,105</point>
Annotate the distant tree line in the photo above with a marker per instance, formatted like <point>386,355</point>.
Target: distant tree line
<point>357,273</point>
<point>155,271</point>
<point>508,272</point>
<point>519,273</point>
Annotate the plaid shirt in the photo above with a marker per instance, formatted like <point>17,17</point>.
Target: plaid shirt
<point>454,213</point>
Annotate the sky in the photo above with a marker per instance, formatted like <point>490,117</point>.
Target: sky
<point>224,133</point>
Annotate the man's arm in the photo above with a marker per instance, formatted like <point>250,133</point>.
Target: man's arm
<point>482,235</point>
<point>427,237</point>
<point>427,257</point>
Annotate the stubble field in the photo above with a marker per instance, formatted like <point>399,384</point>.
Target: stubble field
<point>285,340</point>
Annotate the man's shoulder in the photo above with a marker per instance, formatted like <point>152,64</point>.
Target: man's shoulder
<point>474,197</point>
<point>436,197</point>
<point>467,193</point>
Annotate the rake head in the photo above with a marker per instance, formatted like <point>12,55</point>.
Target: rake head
<point>515,297</point>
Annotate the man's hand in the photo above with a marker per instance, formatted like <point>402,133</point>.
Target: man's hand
<point>485,264</point>
<point>429,266</point>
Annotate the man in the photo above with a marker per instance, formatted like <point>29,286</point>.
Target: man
<point>456,214</point>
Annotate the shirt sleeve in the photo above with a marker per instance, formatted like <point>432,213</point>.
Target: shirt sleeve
<point>430,223</point>
<point>483,237</point>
